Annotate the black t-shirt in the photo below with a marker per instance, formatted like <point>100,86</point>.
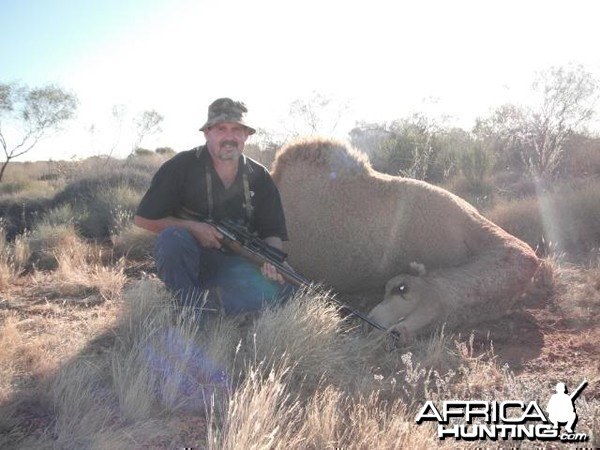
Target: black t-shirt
<point>180,185</point>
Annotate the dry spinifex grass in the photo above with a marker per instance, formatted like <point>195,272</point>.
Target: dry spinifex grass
<point>82,272</point>
<point>298,377</point>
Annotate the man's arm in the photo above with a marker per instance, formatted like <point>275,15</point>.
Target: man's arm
<point>204,233</point>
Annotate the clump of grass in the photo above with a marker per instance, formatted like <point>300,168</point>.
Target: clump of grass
<point>80,272</point>
<point>13,257</point>
<point>47,239</point>
<point>10,339</point>
<point>134,243</point>
<point>61,215</point>
<point>21,214</point>
<point>310,321</point>
<point>107,212</point>
<point>25,188</point>
<point>105,200</point>
<point>266,399</point>
<point>8,271</point>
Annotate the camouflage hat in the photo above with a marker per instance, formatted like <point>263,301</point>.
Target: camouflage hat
<point>227,110</point>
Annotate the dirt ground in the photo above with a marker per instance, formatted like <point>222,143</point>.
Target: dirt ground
<point>554,337</point>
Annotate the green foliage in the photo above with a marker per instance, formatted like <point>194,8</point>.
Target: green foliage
<point>21,214</point>
<point>47,239</point>
<point>105,202</point>
<point>165,151</point>
<point>146,123</point>
<point>61,215</point>
<point>22,186</point>
<point>475,164</point>
<point>34,113</point>
<point>501,135</point>
<point>143,152</point>
<point>417,147</point>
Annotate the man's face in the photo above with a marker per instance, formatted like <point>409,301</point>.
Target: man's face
<point>225,141</point>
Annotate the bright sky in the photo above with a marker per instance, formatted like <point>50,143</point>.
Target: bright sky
<point>384,59</point>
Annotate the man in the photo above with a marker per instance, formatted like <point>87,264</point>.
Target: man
<point>215,181</point>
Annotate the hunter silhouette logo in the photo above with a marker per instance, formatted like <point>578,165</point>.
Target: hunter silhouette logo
<point>561,406</point>
<point>509,419</point>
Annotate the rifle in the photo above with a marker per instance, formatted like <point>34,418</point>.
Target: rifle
<point>577,391</point>
<point>241,241</point>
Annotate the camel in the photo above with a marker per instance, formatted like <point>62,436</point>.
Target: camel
<point>356,229</point>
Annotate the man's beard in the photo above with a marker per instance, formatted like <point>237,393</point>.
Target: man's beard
<point>226,152</point>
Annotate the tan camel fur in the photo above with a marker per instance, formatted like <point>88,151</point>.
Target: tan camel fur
<point>355,229</point>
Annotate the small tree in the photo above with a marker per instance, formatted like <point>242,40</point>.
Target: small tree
<point>568,98</point>
<point>317,114</point>
<point>503,135</point>
<point>146,123</point>
<point>32,114</point>
<point>533,138</point>
<point>404,147</point>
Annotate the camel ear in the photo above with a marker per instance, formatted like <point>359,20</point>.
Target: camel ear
<point>417,269</point>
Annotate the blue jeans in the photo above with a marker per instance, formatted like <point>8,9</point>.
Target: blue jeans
<point>188,269</point>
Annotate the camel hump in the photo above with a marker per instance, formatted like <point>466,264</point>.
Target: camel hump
<point>337,156</point>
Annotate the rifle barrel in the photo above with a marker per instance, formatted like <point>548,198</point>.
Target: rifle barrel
<point>577,391</point>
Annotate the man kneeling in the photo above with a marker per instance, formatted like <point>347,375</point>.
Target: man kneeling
<point>215,181</point>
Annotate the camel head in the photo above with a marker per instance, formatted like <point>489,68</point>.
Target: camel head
<point>410,301</point>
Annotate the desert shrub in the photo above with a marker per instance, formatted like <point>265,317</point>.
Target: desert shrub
<point>165,151</point>
<point>146,164</point>
<point>29,187</point>
<point>88,185</point>
<point>82,272</point>
<point>20,214</point>
<point>482,196</point>
<point>521,218</point>
<point>108,212</point>
<point>143,152</point>
<point>7,266</point>
<point>47,239</point>
<point>13,257</point>
<point>106,202</point>
<point>309,321</point>
<point>568,219</point>
<point>61,215</point>
<point>581,157</point>
<point>475,164</point>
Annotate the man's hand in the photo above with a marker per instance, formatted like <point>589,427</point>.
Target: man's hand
<point>206,234</point>
<point>270,272</point>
